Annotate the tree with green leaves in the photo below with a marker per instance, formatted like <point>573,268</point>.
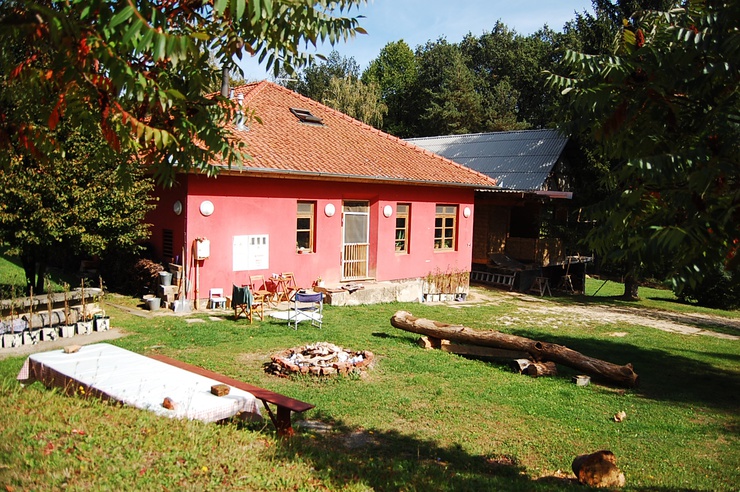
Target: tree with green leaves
<point>395,72</point>
<point>599,32</point>
<point>447,99</point>
<point>508,72</point>
<point>666,110</point>
<point>352,97</point>
<point>313,80</point>
<point>75,203</point>
<point>137,73</point>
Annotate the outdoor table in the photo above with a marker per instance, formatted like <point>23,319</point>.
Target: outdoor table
<point>111,372</point>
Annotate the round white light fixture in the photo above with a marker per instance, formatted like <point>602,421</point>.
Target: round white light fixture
<point>206,207</point>
<point>329,210</point>
<point>177,207</point>
<point>466,212</point>
<point>387,211</point>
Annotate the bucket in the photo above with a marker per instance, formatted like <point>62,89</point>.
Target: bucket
<point>165,278</point>
<point>581,380</point>
<point>153,303</point>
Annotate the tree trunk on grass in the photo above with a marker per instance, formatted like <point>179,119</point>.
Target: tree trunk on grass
<point>631,287</point>
<point>538,369</point>
<point>34,270</point>
<point>539,351</point>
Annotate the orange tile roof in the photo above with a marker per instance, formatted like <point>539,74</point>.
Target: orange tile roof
<point>341,149</point>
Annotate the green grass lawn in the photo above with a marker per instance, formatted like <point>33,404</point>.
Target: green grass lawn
<point>13,279</point>
<point>11,276</point>
<point>420,419</point>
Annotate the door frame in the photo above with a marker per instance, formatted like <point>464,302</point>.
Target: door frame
<point>355,256</point>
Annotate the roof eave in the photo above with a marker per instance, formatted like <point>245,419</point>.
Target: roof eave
<point>320,176</point>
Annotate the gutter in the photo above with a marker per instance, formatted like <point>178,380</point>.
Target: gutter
<point>294,174</point>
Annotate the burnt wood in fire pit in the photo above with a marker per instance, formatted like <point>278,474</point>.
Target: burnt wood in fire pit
<point>319,359</point>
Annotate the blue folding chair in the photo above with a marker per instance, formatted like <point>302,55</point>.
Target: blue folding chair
<point>305,306</point>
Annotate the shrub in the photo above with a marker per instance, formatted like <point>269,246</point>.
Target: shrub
<point>718,289</point>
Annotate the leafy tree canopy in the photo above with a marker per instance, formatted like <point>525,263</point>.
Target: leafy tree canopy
<point>313,80</point>
<point>665,108</point>
<point>74,203</point>
<point>447,97</point>
<point>356,99</point>
<point>491,82</point>
<point>137,72</point>
<point>395,71</point>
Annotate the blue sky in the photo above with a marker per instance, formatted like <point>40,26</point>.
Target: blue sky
<point>418,21</point>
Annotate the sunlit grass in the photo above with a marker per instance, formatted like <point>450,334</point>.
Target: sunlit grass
<point>419,420</point>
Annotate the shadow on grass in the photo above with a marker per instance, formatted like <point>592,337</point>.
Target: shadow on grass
<point>663,376</point>
<point>345,456</point>
<point>389,460</point>
<point>13,277</point>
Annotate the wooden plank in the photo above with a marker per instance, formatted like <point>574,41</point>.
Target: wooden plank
<point>261,393</point>
<point>480,351</point>
<point>285,404</point>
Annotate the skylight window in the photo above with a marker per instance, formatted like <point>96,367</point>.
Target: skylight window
<point>305,116</point>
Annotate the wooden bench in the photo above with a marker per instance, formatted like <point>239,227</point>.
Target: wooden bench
<point>285,405</point>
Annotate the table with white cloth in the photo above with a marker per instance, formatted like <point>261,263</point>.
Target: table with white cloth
<point>111,372</point>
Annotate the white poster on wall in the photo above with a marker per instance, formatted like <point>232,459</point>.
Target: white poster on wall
<point>251,252</point>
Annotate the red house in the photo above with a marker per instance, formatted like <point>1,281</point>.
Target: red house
<point>323,196</point>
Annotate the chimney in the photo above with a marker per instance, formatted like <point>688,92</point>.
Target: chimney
<point>240,123</point>
<point>225,82</point>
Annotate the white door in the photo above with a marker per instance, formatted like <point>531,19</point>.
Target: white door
<point>356,233</point>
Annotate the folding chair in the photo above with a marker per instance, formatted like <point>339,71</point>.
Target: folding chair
<point>216,298</point>
<point>259,289</point>
<point>244,303</point>
<point>290,286</point>
<point>306,306</point>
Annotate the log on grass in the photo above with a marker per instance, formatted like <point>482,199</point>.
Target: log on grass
<point>464,349</point>
<point>538,369</point>
<point>539,351</point>
<point>520,365</point>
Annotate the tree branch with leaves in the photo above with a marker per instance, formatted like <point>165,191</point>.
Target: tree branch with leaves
<point>666,110</point>
<point>137,72</point>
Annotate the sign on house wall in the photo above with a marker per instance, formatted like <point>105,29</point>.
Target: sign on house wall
<point>251,252</point>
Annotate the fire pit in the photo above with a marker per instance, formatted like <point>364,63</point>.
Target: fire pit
<point>319,359</point>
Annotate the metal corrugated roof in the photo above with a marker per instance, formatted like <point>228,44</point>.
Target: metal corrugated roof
<point>518,160</point>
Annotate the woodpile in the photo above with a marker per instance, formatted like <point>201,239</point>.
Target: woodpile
<point>319,359</point>
<point>542,355</point>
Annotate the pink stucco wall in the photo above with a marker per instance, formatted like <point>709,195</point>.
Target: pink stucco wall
<point>248,206</point>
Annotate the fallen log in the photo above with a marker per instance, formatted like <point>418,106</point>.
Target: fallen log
<point>477,351</point>
<point>520,365</point>
<point>539,369</point>
<point>538,351</point>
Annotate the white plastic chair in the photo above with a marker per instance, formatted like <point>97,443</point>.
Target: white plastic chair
<point>216,298</point>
